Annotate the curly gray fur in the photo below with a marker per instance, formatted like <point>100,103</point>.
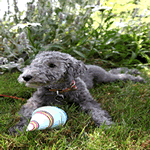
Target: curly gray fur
<point>56,70</point>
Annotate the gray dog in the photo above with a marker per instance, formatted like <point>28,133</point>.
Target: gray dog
<point>60,78</point>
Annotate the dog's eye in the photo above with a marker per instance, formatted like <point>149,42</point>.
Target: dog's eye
<point>51,65</point>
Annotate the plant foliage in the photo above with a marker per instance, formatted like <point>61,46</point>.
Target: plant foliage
<point>68,26</point>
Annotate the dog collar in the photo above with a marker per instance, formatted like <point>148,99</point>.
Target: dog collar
<point>72,88</point>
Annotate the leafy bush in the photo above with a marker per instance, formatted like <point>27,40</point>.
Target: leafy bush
<point>68,27</point>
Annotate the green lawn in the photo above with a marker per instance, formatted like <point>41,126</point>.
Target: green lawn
<point>128,104</point>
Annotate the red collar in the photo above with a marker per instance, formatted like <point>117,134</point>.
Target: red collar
<point>72,88</point>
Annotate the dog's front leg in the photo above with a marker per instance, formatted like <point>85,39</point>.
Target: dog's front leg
<point>89,105</point>
<point>97,114</point>
<point>25,114</point>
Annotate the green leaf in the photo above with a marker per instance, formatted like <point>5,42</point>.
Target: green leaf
<point>51,46</point>
<point>108,18</point>
<point>133,56</point>
<point>109,24</point>
<point>82,40</point>
<point>80,54</point>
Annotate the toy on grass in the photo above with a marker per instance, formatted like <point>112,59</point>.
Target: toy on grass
<point>47,117</point>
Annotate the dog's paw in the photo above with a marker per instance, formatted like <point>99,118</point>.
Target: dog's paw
<point>140,79</point>
<point>16,130</point>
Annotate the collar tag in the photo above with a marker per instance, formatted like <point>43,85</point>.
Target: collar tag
<point>59,97</point>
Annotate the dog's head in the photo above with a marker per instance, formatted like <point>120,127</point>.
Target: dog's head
<point>51,67</point>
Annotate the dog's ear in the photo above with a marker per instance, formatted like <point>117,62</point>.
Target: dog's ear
<point>75,67</point>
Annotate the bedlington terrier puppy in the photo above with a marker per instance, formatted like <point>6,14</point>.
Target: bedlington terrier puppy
<point>60,78</point>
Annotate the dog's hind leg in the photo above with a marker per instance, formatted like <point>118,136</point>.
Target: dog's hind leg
<point>124,70</point>
<point>100,75</point>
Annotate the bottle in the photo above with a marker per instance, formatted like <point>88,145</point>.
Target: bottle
<point>47,117</point>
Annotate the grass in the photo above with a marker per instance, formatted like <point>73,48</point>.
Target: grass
<point>128,104</point>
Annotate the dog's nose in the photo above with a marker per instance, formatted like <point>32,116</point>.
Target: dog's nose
<point>27,78</point>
